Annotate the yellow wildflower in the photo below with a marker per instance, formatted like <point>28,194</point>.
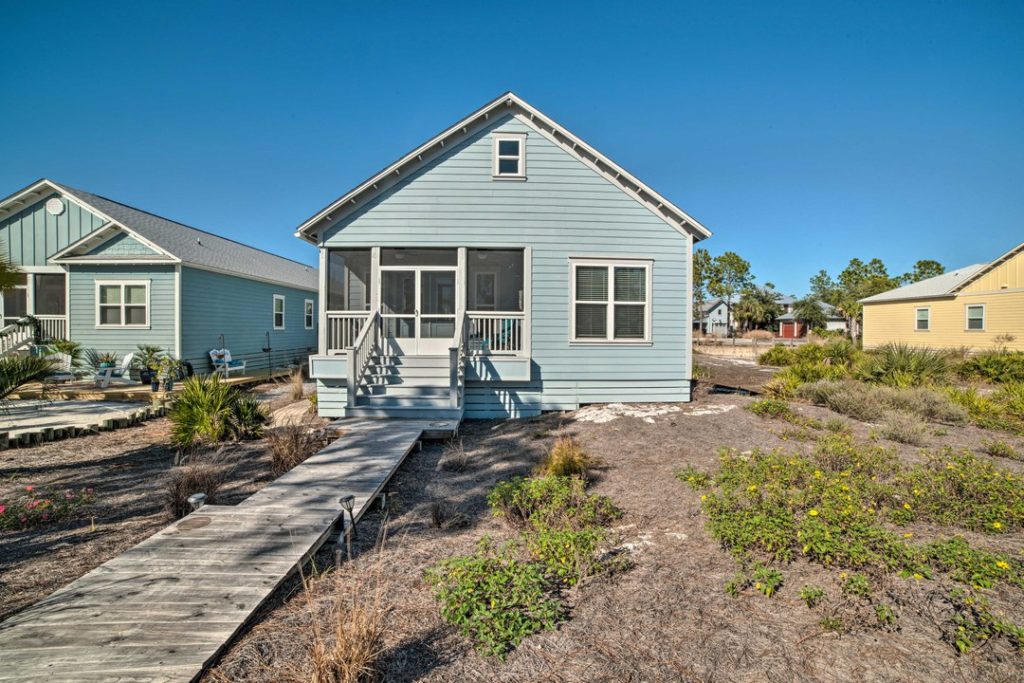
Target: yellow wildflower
<point>1003,564</point>
<point>997,525</point>
<point>752,488</point>
<point>703,497</point>
<point>812,512</point>
<point>906,506</point>
<point>918,577</point>
<point>908,535</point>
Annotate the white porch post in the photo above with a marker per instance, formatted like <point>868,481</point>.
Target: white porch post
<point>322,303</point>
<point>527,302</point>
<point>461,285</point>
<point>374,279</point>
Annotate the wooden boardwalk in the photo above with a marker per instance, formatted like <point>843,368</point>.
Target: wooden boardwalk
<point>165,609</point>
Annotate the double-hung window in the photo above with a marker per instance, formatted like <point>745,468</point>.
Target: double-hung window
<point>611,301</point>
<point>510,155</point>
<point>976,317</point>
<point>122,304</point>
<point>278,312</point>
<point>923,322</point>
<point>308,312</point>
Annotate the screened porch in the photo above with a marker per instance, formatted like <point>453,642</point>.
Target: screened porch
<point>422,295</point>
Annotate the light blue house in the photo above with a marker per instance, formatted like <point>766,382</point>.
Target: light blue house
<point>503,268</point>
<point>112,277</point>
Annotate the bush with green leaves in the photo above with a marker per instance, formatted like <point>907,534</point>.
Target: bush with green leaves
<point>568,555</point>
<point>974,623</point>
<point>870,403</point>
<point>495,599</point>
<point>551,503</point>
<point>696,479</point>
<point>811,595</point>
<point>994,366</point>
<point>901,365</point>
<point>1001,449</point>
<point>208,410</point>
<point>20,369</point>
<point>904,427</point>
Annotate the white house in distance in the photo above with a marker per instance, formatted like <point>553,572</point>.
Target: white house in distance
<point>502,268</point>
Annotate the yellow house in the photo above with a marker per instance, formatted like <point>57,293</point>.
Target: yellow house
<point>979,307</point>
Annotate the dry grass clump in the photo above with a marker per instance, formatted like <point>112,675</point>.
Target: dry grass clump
<point>567,458</point>
<point>351,652</point>
<point>290,445</point>
<point>193,477</point>
<point>296,385</point>
<point>871,403</point>
<point>445,515</point>
<point>455,457</point>
<point>904,427</point>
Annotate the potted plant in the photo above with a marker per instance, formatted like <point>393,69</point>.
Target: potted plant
<point>170,370</point>
<point>147,360</point>
<point>106,360</point>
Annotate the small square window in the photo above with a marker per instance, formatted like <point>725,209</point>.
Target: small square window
<point>510,156</point>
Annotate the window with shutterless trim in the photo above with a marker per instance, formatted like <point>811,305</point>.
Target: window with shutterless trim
<point>610,301</point>
<point>122,303</point>
<point>975,314</point>
<point>923,319</point>
<point>509,155</point>
<point>278,312</point>
<point>309,313</point>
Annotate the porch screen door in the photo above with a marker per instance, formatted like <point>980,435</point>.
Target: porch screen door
<point>398,310</point>
<point>417,307</point>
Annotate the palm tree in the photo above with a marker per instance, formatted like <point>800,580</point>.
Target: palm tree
<point>809,312</point>
<point>9,275</point>
<point>759,307</point>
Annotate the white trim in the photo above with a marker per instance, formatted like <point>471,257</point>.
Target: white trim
<point>311,230</point>
<point>273,312</point>
<point>987,269</point>
<point>309,314</point>
<point>967,317</point>
<point>321,334</point>
<point>104,234</point>
<point>610,302</point>
<point>177,311</point>
<point>927,320</point>
<point>688,328</point>
<point>97,284</point>
<point>496,139</point>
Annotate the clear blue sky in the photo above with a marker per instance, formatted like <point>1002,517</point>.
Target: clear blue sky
<point>802,134</point>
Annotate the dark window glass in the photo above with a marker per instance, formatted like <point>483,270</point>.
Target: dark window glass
<point>508,166</point>
<point>348,280</point>
<point>50,294</point>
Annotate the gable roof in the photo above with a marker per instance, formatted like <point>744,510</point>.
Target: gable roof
<point>175,242</point>
<point>938,286</point>
<point>828,309</point>
<point>532,117</point>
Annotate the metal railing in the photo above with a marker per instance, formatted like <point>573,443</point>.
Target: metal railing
<point>360,353</point>
<point>495,333</point>
<point>342,329</point>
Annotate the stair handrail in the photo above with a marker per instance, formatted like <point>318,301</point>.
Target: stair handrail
<point>19,333</point>
<point>457,361</point>
<point>360,353</point>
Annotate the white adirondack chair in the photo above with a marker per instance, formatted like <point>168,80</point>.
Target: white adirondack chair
<point>222,363</point>
<point>119,375</point>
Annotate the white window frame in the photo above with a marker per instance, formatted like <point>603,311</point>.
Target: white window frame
<point>611,264</point>
<point>928,319</point>
<point>521,157</point>
<point>309,314</point>
<point>122,305</point>
<point>273,312</point>
<point>967,317</point>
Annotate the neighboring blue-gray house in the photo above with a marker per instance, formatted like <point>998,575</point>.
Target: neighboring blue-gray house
<point>112,277</point>
<point>502,268</point>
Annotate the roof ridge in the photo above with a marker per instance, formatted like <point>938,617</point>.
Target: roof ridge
<point>184,225</point>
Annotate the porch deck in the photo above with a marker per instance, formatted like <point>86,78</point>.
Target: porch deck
<point>88,391</point>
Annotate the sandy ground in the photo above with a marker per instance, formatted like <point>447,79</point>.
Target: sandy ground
<point>668,618</point>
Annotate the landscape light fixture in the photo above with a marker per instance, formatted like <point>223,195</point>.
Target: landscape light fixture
<point>197,500</point>
<point>348,503</point>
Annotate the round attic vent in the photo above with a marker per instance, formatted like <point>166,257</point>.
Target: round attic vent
<point>55,206</point>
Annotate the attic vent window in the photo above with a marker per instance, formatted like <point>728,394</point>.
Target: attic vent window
<point>55,206</point>
<point>510,156</point>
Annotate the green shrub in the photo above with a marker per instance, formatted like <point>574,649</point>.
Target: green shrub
<point>494,599</point>
<point>901,366</point>
<point>208,411</point>
<point>1001,449</point>
<point>974,623</point>
<point>568,556</point>
<point>869,403</point>
<point>30,507</point>
<point>767,580</point>
<point>18,370</point>
<point>857,585</point>
<point>812,595</point>
<point>994,366</point>
<point>884,615</point>
<point>770,407</point>
<point>696,479</point>
<point>550,502</point>
<point>248,419</point>
<point>778,356</point>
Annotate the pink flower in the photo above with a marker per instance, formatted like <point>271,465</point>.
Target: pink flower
<point>3,508</point>
<point>29,488</point>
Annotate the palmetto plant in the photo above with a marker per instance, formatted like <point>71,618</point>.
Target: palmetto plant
<point>18,370</point>
<point>9,275</point>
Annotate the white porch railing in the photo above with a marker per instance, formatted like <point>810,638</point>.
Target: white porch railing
<point>16,335</point>
<point>360,353</point>
<point>495,333</point>
<point>457,362</point>
<point>52,327</point>
<point>343,327</point>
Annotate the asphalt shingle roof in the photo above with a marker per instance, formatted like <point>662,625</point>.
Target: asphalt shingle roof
<point>201,248</point>
<point>940,285</point>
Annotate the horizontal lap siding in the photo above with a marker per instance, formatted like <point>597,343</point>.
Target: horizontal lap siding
<point>894,322</point>
<point>82,308</point>
<point>241,309</point>
<point>563,209</point>
<point>32,235</point>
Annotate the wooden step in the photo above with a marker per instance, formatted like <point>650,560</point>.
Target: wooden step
<point>404,389</point>
<point>389,401</point>
<point>405,412</point>
<point>412,361</point>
